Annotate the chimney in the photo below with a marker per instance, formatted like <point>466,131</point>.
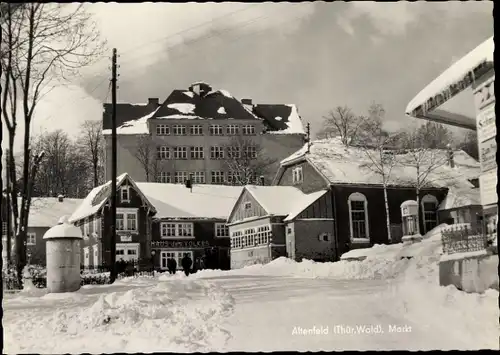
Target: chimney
<point>60,198</point>
<point>262,182</point>
<point>204,89</point>
<point>246,102</point>
<point>451,160</point>
<point>154,101</point>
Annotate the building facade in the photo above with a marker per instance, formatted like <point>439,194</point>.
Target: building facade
<point>207,135</point>
<point>155,222</point>
<point>358,218</point>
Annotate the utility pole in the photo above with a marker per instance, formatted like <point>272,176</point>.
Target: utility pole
<point>113,170</point>
<point>8,208</point>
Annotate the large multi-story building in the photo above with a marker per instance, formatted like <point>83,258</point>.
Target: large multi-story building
<point>205,134</point>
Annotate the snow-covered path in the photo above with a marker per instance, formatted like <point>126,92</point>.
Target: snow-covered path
<point>235,312</point>
<point>359,315</point>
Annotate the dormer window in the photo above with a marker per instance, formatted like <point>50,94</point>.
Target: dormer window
<point>297,176</point>
<point>125,194</point>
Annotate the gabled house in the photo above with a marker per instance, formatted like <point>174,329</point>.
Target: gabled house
<point>357,192</point>
<point>200,132</point>
<point>155,222</point>
<point>256,224</point>
<point>134,214</point>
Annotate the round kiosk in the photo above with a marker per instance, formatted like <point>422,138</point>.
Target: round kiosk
<point>63,257</point>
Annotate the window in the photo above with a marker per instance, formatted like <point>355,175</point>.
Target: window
<point>176,230</point>
<point>180,152</point>
<point>120,251</point>
<point>126,220</point>
<point>217,177</point>
<point>215,130</point>
<point>297,177</point>
<point>31,239</point>
<point>177,255</point>
<point>179,130</point>
<point>216,152</point>
<point>232,130</point>
<point>251,152</point>
<point>197,153</point>
<point>236,239</point>
<point>4,228</point>
<point>429,211</point>
<point>164,177</point>
<point>251,237</point>
<point>163,153</point>
<point>180,177</point>
<point>97,225</point>
<point>248,205</point>
<point>96,255</point>
<point>86,257</point>
<point>233,152</point>
<point>196,130</point>
<point>125,194</point>
<point>248,130</point>
<point>232,178</point>
<point>221,230</point>
<point>86,227</point>
<point>358,217</point>
<point>198,177</point>
<point>162,130</point>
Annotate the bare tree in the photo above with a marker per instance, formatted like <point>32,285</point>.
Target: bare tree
<point>64,168</point>
<point>148,156</point>
<point>245,161</point>
<point>382,161</point>
<point>342,122</point>
<point>425,161</point>
<point>91,142</point>
<point>45,44</point>
<point>469,144</point>
<point>435,136</point>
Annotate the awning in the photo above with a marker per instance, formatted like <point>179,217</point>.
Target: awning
<point>430,103</point>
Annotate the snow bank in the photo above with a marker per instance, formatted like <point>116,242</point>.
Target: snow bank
<point>140,316</point>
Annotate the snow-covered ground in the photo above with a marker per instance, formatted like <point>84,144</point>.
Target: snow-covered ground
<point>380,303</point>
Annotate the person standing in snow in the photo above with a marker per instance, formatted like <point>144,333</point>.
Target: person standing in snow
<point>186,264</point>
<point>171,265</point>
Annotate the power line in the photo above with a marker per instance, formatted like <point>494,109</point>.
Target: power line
<point>218,34</point>
<point>228,41</point>
<point>185,31</point>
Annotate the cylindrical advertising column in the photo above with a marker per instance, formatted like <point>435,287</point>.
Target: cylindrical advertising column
<point>63,257</point>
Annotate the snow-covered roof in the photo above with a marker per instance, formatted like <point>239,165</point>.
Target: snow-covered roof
<point>460,197</point>
<point>294,123</point>
<point>94,200</point>
<point>351,165</point>
<point>276,200</point>
<point>450,83</point>
<point>185,108</point>
<point>138,126</point>
<point>177,201</point>
<point>46,211</point>
<point>300,205</point>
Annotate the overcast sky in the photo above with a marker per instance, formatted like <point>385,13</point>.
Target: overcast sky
<point>315,55</point>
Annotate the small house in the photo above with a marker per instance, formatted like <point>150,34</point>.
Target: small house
<point>355,191</point>
<point>45,213</point>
